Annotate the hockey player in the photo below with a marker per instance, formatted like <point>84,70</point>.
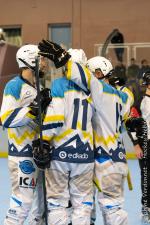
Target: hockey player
<point>19,113</point>
<point>103,70</point>
<point>111,110</point>
<point>67,127</point>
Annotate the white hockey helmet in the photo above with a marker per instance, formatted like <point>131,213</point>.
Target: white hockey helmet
<point>26,55</point>
<point>99,62</point>
<point>78,55</point>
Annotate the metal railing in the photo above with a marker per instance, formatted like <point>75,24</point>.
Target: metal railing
<point>138,51</point>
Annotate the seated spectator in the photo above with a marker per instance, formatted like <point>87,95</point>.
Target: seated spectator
<point>144,67</point>
<point>133,70</point>
<point>120,70</point>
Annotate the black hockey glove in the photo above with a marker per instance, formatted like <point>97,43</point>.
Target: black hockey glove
<point>54,52</point>
<point>139,126</point>
<point>45,99</point>
<point>42,157</point>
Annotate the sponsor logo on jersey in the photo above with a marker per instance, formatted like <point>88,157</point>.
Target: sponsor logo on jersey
<point>26,182</point>
<point>26,167</point>
<point>12,212</point>
<point>28,94</point>
<point>64,155</point>
<point>121,155</point>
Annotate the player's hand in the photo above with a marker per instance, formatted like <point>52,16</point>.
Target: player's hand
<point>42,157</point>
<point>54,52</point>
<point>138,151</point>
<point>45,99</point>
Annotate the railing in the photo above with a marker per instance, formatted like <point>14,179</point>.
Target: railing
<point>138,51</point>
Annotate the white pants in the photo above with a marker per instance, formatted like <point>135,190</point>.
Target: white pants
<point>24,177</point>
<point>72,181</point>
<point>110,177</point>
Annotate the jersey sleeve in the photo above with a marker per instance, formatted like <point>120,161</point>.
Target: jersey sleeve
<point>145,109</point>
<point>12,114</point>
<point>80,75</point>
<point>54,118</point>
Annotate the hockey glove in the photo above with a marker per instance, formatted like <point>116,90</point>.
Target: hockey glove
<point>54,52</point>
<point>45,99</point>
<point>41,157</point>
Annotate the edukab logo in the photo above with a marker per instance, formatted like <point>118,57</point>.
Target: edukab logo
<point>76,155</point>
<point>62,155</point>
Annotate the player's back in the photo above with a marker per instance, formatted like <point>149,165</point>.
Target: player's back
<point>110,106</point>
<point>108,120</point>
<point>73,140</point>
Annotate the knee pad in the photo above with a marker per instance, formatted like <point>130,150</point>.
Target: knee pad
<point>116,217</point>
<point>58,216</point>
<point>81,215</point>
<point>36,221</point>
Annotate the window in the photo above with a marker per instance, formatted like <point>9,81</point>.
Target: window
<point>12,35</point>
<point>61,34</point>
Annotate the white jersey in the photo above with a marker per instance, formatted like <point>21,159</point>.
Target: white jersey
<point>111,109</point>
<point>129,93</point>
<point>16,116</point>
<point>145,109</point>
<point>67,124</point>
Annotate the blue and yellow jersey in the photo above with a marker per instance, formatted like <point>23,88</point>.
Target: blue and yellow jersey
<point>16,117</point>
<point>67,124</point>
<point>129,93</point>
<point>111,109</point>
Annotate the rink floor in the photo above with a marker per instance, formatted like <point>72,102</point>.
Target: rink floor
<point>132,198</point>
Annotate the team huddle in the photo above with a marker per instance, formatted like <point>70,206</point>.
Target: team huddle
<point>84,117</point>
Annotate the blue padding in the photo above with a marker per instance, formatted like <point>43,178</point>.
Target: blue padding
<point>102,159</point>
<point>88,203</point>
<point>62,85</point>
<point>13,87</point>
<point>110,90</point>
<point>17,201</point>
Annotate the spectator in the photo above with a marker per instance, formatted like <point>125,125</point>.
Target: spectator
<point>120,70</point>
<point>118,39</point>
<point>133,70</point>
<point>144,67</point>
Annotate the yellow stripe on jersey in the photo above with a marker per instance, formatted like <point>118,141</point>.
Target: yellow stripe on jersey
<point>54,118</point>
<point>24,136</point>
<point>6,115</point>
<point>105,141</point>
<point>89,99</point>
<point>88,75</point>
<point>86,135</point>
<point>126,116</point>
<point>69,69</point>
<point>30,116</point>
<point>47,138</point>
<point>63,135</point>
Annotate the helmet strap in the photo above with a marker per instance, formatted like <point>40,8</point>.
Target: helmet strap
<point>27,64</point>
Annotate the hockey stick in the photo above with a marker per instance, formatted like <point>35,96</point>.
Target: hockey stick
<point>130,186</point>
<point>40,132</point>
<point>96,182</point>
<point>107,41</point>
